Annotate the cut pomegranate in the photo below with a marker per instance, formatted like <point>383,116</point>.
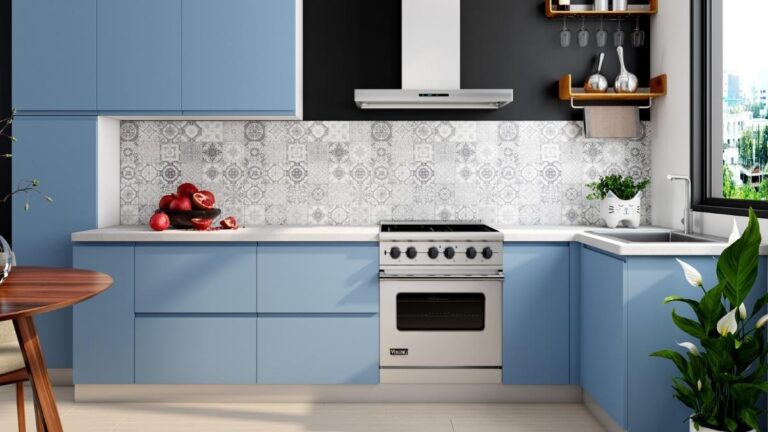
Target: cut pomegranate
<point>165,201</point>
<point>202,202</point>
<point>210,195</point>
<point>159,221</point>
<point>186,189</point>
<point>229,223</point>
<point>181,203</point>
<point>201,224</point>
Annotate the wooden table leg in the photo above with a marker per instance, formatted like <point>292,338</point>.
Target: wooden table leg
<point>38,373</point>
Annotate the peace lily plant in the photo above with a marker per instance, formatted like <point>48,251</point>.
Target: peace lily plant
<point>724,372</point>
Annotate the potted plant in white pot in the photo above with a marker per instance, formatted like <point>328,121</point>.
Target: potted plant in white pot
<point>724,373</point>
<point>620,199</point>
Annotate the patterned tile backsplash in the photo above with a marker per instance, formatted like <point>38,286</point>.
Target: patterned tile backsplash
<point>359,173</point>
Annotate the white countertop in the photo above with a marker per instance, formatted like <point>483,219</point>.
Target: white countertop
<point>274,233</point>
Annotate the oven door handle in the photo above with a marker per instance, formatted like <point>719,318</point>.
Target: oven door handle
<point>441,276</point>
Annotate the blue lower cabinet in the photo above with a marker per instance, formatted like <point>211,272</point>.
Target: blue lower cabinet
<point>536,348</point>
<point>195,350</point>
<point>195,279</point>
<point>103,325</point>
<point>318,278</point>
<point>318,350</point>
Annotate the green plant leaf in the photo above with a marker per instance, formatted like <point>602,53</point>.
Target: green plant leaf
<point>677,359</point>
<point>688,325</point>
<point>749,417</point>
<point>738,263</point>
<point>711,307</point>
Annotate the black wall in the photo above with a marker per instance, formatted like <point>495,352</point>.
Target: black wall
<point>5,109</point>
<point>352,44</point>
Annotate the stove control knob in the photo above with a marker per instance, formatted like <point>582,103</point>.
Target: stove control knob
<point>433,252</point>
<point>471,253</point>
<point>449,252</point>
<point>394,252</point>
<point>487,253</point>
<point>411,252</point>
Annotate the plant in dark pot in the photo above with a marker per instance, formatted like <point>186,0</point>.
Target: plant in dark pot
<point>723,373</point>
<point>620,199</point>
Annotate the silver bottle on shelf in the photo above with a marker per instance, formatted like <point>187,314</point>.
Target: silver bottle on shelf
<point>601,5</point>
<point>620,5</point>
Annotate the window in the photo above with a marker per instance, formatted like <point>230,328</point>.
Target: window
<point>729,106</point>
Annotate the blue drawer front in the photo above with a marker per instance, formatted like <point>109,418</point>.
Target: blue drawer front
<point>54,55</point>
<point>196,279</point>
<point>312,278</point>
<point>318,350</point>
<point>139,55</point>
<point>103,325</point>
<point>186,350</point>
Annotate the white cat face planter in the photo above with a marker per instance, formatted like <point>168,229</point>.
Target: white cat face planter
<point>615,211</point>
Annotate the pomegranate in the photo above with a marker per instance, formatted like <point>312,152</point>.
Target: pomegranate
<point>210,195</point>
<point>159,221</point>
<point>165,201</point>
<point>180,204</point>
<point>229,223</point>
<point>201,224</point>
<point>201,201</point>
<point>186,189</point>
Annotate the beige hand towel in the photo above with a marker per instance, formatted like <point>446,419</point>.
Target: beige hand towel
<point>612,122</point>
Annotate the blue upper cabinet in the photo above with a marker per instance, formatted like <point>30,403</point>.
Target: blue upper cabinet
<point>54,55</point>
<point>139,55</point>
<point>239,56</point>
<point>536,295</point>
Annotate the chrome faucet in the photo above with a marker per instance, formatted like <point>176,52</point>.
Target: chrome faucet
<point>688,215</point>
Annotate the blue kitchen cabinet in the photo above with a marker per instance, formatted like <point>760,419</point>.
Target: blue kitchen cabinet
<point>318,350</point>
<point>239,56</point>
<point>103,326</point>
<point>196,350</point>
<point>139,55</point>
<point>54,56</point>
<point>536,346</point>
<point>318,278</point>
<point>61,153</point>
<point>196,278</point>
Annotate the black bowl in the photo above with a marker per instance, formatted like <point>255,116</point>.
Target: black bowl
<point>183,219</point>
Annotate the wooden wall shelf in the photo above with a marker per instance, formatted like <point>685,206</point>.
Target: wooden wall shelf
<point>552,13</point>
<point>658,88</point>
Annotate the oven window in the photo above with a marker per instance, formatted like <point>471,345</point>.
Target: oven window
<point>440,312</point>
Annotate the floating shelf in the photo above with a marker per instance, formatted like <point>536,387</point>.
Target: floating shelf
<point>653,9</point>
<point>658,88</point>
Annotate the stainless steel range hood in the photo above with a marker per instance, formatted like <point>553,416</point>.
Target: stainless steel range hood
<point>431,58</point>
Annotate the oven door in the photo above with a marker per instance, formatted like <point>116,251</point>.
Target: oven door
<point>440,323</point>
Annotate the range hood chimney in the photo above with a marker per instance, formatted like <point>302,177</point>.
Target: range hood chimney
<point>431,58</point>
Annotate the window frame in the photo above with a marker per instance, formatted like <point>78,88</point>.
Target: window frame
<point>701,121</point>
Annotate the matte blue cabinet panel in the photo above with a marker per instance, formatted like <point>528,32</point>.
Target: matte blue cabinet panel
<point>195,279</point>
<point>61,153</point>
<point>239,55</point>
<point>140,55</point>
<point>318,350</point>
<point>54,55</point>
<point>603,332</point>
<point>186,350</point>
<point>103,325</point>
<point>318,278</point>
<point>536,296</point>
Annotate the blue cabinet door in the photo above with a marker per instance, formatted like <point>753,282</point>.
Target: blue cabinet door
<point>318,278</point>
<point>239,55</point>
<point>195,279</point>
<point>318,350</point>
<point>536,349</point>
<point>140,55</point>
<point>61,153</point>
<point>603,332</point>
<point>54,55</point>
<point>103,325</point>
<point>196,350</point>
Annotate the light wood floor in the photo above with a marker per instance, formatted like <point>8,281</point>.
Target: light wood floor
<point>113,417</point>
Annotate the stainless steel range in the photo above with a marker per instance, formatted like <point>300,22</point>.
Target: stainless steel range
<point>441,291</point>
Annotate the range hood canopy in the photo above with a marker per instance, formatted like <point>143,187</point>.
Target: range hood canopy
<point>431,58</point>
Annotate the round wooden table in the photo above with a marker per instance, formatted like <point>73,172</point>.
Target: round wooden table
<point>30,291</point>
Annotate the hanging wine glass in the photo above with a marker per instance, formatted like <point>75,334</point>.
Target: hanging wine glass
<point>618,36</point>
<point>601,35</point>
<point>638,36</point>
<point>565,34</point>
<point>7,259</point>
<point>583,33</point>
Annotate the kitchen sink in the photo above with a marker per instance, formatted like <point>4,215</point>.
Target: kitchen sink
<point>659,237</point>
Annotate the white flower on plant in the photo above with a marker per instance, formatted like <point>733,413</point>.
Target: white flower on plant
<point>735,234</point>
<point>742,312</point>
<point>693,349</point>
<point>762,321</point>
<point>698,385</point>
<point>691,274</point>
<point>727,324</point>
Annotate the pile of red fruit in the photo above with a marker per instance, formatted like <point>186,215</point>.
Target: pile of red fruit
<point>188,198</point>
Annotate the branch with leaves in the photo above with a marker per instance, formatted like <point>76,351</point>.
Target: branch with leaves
<point>25,187</point>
